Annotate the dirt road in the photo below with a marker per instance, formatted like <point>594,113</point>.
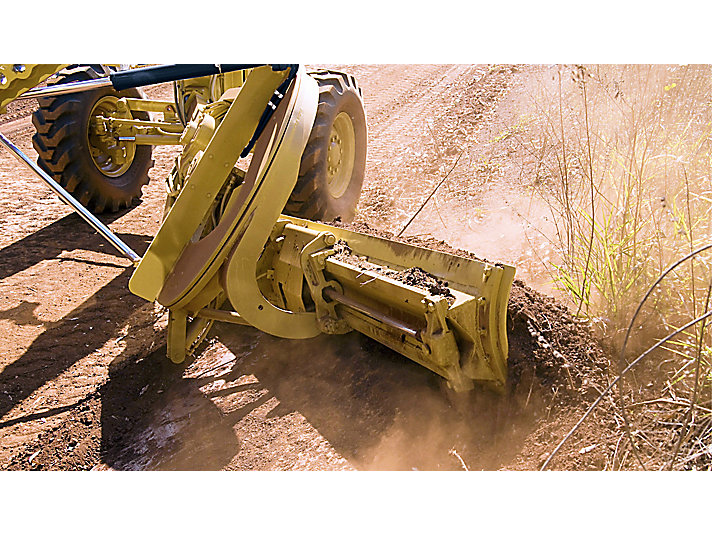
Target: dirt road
<point>84,383</point>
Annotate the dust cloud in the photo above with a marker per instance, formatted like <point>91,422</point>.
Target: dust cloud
<point>252,401</point>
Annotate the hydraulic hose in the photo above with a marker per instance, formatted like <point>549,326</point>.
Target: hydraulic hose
<point>129,79</point>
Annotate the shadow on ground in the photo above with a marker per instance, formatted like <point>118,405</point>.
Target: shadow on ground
<point>151,418</point>
<point>376,409</point>
<point>67,234</point>
<point>82,331</point>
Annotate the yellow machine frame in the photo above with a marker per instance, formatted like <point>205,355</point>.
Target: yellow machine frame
<point>226,253</point>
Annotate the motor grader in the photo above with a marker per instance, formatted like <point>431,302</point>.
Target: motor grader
<point>270,154</point>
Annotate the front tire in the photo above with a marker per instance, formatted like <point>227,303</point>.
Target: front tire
<point>69,152</point>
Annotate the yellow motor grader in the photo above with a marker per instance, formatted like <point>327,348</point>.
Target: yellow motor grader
<point>267,152</point>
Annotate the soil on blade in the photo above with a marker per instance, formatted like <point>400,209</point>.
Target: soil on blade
<point>414,276</point>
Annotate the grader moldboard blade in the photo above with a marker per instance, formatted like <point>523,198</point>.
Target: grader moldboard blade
<point>295,278</point>
<point>445,312</point>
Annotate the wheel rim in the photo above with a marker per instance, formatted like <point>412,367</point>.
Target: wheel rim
<point>340,155</point>
<point>111,159</point>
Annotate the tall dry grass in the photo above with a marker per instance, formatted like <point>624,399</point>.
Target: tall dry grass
<point>622,156</point>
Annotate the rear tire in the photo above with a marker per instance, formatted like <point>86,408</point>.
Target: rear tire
<point>62,142</point>
<point>334,160</point>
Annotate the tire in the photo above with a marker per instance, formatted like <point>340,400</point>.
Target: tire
<point>64,151</point>
<point>334,160</point>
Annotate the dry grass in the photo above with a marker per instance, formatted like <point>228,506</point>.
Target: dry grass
<point>622,155</point>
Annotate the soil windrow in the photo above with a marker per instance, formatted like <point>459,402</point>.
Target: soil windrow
<point>414,276</point>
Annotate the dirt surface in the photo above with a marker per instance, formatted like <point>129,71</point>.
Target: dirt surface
<point>84,382</point>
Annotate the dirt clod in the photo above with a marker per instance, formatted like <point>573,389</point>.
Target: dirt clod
<point>415,276</point>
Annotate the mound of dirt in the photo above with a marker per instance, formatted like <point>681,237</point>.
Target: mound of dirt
<point>556,366</point>
<point>415,276</point>
<point>544,339</point>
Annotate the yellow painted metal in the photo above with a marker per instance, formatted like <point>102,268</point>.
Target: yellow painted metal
<point>118,123</point>
<point>16,79</point>
<point>180,269</point>
<point>225,252</point>
<point>464,341</point>
<point>113,158</point>
<point>261,211</point>
<point>166,107</point>
<point>131,132</point>
<point>340,155</point>
<point>202,187</point>
<point>204,90</point>
<point>193,93</point>
<point>224,243</point>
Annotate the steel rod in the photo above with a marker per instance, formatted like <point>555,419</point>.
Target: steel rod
<point>371,312</point>
<point>73,203</point>
<point>66,88</point>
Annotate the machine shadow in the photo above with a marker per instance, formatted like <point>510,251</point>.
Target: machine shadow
<point>375,408</point>
<point>378,409</point>
<point>66,342</point>
<point>84,330</point>
<point>153,419</point>
<point>131,405</point>
<point>67,234</point>
<point>150,418</point>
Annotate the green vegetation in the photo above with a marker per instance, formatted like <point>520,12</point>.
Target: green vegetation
<point>622,156</point>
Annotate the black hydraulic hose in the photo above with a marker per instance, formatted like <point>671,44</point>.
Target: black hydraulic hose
<point>272,105</point>
<point>129,79</point>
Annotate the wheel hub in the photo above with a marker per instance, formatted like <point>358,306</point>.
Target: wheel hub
<point>334,158</point>
<point>340,155</point>
<point>112,157</point>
